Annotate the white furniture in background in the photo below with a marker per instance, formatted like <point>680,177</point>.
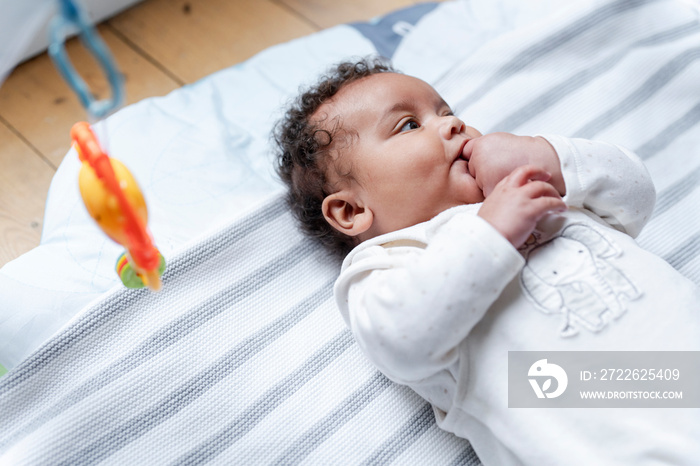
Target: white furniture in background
<point>24,26</point>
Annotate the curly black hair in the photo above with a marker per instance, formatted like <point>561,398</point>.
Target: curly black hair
<point>305,150</point>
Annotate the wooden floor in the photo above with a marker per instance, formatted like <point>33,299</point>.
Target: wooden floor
<point>159,45</point>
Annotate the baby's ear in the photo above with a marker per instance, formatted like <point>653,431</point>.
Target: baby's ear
<point>346,214</point>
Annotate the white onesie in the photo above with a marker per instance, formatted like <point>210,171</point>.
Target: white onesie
<point>437,306</point>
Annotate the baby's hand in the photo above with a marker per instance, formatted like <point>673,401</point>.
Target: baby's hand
<point>519,201</point>
<point>494,156</point>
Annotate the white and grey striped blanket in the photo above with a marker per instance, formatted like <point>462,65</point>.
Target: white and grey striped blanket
<point>243,359</point>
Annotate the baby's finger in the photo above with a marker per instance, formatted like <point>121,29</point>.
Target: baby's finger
<point>545,205</point>
<point>535,189</point>
<point>525,173</point>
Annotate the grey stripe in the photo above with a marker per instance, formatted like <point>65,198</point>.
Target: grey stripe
<point>530,55</point>
<point>544,101</point>
<point>666,136</point>
<point>650,87</point>
<point>179,399</point>
<point>467,458</point>
<point>167,335</point>
<point>106,311</point>
<point>685,252</point>
<point>268,402</point>
<point>342,414</point>
<point>405,436</point>
<point>672,195</point>
<point>231,236</point>
<point>677,191</point>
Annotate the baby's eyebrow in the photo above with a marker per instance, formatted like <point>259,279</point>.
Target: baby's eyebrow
<point>443,104</point>
<point>409,105</point>
<point>400,106</point>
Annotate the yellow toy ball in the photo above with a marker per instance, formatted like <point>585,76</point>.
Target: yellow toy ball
<point>103,206</point>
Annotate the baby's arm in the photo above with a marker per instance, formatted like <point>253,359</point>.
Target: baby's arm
<point>410,308</point>
<point>603,178</point>
<point>607,180</point>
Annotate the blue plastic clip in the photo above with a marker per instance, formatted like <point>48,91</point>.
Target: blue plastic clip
<point>69,18</point>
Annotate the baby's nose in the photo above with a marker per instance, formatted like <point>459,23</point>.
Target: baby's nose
<point>452,125</point>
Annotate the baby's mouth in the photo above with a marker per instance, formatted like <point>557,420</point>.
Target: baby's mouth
<point>465,154</point>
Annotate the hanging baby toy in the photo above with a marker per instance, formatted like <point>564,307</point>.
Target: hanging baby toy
<point>109,191</point>
<point>114,201</point>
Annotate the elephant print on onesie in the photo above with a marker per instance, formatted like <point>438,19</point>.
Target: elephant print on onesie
<point>572,274</point>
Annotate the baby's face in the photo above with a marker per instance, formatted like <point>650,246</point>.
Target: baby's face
<point>409,159</point>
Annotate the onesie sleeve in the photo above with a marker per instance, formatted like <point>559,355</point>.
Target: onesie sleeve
<point>410,307</point>
<point>606,179</point>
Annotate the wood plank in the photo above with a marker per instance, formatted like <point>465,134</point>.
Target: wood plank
<point>327,13</point>
<point>24,182</point>
<point>40,106</point>
<point>194,38</point>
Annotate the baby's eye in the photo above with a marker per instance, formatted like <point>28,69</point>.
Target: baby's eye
<point>409,125</point>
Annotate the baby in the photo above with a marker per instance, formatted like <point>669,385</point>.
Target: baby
<point>461,247</point>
